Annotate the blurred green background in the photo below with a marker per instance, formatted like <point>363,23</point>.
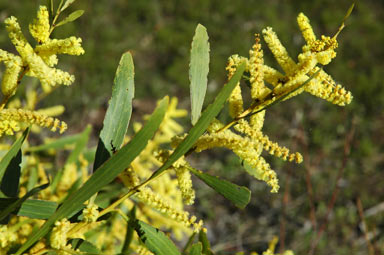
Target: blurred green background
<point>159,34</point>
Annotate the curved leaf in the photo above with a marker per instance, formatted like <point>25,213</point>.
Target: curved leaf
<point>238,195</point>
<point>104,175</point>
<point>119,111</point>
<point>198,71</point>
<point>202,124</point>
<point>155,240</point>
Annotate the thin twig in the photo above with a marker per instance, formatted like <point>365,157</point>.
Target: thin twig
<point>371,250</point>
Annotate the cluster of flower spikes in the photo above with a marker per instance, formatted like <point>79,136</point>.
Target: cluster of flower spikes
<point>248,141</point>
<point>162,201</point>
<point>36,62</point>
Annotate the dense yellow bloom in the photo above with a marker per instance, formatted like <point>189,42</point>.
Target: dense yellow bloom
<point>59,234</point>
<point>29,117</point>
<point>315,51</point>
<point>13,66</point>
<point>39,29</point>
<point>90,213</point>
<point>235,99</point>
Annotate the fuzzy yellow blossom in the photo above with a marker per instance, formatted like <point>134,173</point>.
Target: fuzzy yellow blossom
<point>13,67</point>
<point>255,67</point>
<point>31,117</point>
<point>58,238</point>
<point>70,46</point>
<point>39,28</point>
<point>90,213</point>
<point>36,66</point>
<point>52,111</point>
<point>6,238</point>
<point>315,51</point>
<point>235,99</point>
<point>147,196</point>
<point>279,51</point>
<point>8,127</point>
<point>242,146</point>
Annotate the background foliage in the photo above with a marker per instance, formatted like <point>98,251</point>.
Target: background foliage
<point>158,33</point>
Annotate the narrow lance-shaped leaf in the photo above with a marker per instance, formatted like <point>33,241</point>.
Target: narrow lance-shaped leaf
<point>12,153</point>
<point>4,213</point>
<point>104,175</point>
<point>198,71</point>
<point>37,209</point>
<point>84,246</point>
<point>11,179</point>
<point>55,145</point>
<point>119,111</point>
<point>202,124</point>
<point>196,249</point>
<point>71,17</point>
<point>238,195</point>
<point>80,144</point>
<point>155,240</point>
<point>129,233</point>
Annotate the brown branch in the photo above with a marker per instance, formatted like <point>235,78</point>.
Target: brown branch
<point>371,250</point>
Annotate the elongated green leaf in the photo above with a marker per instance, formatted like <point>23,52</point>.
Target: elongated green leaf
<point>55,145</point>
<point>196,249</point>
<point>104,175</point>
<point>37,209</point>
<point>4,213</point>
<point>189,244</point>
<point>66,4</point>
<point>11,179</point>
<point>84,246</point>
<point>238,195</point>
<point>129,233</point>
<point>202,124</point>
<point>71,17</point>
<point>205,243</point>
<point>12,153</point>
<point>198,71</point>
<point>119,111</point>
<point>81,143</point>
<point>155,240</point>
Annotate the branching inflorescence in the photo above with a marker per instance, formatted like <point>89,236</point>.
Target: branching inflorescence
<point>247,140</point>
<point>38,62</point>
<point>159,201</point>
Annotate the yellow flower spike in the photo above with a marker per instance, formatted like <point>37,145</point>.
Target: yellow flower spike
<point>9,127</point>
<point>70,46</point>
<point>255,67</point>
<point>6,238</point>
<point>306,28</point>
<point>52,111</point>
<point>59,234</point>
<point>36,66</point>
<point>272,147</point>
<point>185,185</point>
<point>326,88</point>
<point>32,117</point>
<point>50,60</point>
<point>13,67</point>
<point>39,28</point>
<point>235,99</point>
<point>279,51</point>
<point>158,202</point>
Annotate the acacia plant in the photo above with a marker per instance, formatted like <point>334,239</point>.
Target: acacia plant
<point>121,197</point>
